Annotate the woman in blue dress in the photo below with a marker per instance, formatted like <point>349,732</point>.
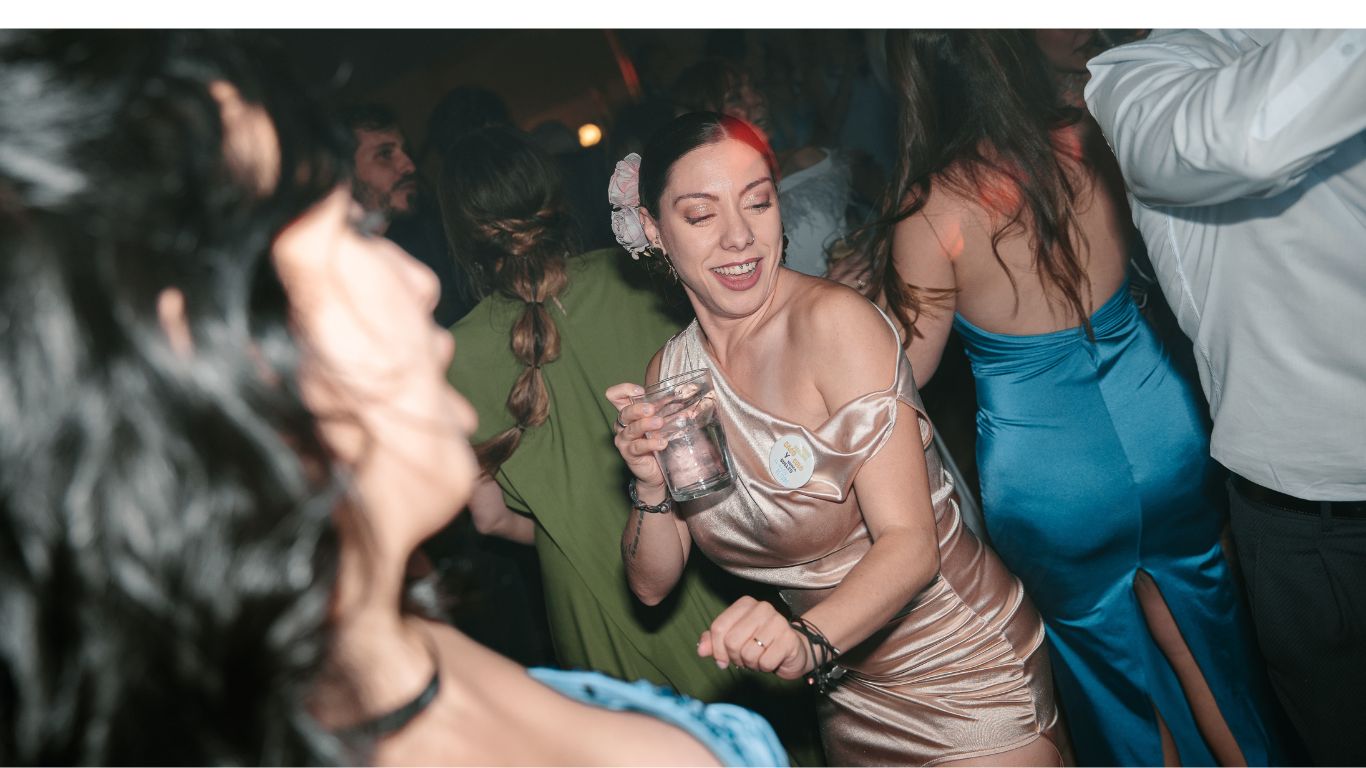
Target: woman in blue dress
<point>1007,223</point>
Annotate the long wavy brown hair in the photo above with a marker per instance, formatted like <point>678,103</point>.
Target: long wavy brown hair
<point>979,115</point>
<point>508,225</point>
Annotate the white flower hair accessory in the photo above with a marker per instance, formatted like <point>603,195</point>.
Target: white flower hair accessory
<point>623,192</point>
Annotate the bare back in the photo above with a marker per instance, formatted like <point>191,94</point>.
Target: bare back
<point>960,228</point>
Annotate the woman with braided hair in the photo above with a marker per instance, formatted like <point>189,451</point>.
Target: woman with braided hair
<point>556,328</point>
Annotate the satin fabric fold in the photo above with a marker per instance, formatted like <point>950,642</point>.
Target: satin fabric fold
<point>1094,465</point>
<point>961,671</point>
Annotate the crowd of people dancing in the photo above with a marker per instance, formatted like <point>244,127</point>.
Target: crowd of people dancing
<point>250,361</point>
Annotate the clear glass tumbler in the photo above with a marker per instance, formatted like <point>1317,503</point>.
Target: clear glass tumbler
<point>695,462</point>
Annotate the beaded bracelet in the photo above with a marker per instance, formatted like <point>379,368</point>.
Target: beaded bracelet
<point>667,505</point>
<point>823,672</point>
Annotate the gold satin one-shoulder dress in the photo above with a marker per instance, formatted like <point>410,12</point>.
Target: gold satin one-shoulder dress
<point>962,671</point>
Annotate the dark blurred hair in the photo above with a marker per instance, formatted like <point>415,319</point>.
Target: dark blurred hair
<point>707,85</point>
<point>167,543</point>
<point>462,110</point>
<point>509,227</point>
<point>369,117</point>
<point>635,124</point>
<point>978,113</point>
<point>554,138</point>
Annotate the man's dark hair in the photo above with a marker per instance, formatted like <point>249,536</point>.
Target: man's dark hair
<point>369,117</point>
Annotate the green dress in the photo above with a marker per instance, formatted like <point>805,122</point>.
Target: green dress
<point>568,476</point>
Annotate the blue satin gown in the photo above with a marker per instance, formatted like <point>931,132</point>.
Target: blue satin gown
<point>1094,464</point>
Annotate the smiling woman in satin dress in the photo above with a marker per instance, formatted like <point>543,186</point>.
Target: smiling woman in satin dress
<point>927,647</point>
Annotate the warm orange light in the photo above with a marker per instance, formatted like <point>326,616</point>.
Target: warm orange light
<point>589,134</point>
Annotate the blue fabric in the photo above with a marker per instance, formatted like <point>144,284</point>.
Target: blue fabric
<point>1094,464</point>
<point>734,734</point>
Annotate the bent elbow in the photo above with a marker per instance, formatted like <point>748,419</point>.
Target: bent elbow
<point>484,525</point>
<point>925,571</point>
<point>931,572</point>
<point>650,591</point>
<point>648,596</point>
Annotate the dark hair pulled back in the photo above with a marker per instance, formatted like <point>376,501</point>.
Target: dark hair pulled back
<point>509,226</point>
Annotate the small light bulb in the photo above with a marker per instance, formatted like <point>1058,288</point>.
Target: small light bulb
<point>589,134</point>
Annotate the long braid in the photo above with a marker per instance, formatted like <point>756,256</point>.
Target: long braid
<point>508,225</point>
<point>536,275</point>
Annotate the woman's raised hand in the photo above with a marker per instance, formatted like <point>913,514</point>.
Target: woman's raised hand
<point>754,635</point>
<point>634,420</point>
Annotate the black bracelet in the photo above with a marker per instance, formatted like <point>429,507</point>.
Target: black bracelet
<point>667,505</point>
<point>823,672</point>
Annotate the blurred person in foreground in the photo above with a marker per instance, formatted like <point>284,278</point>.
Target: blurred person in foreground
<point>226,430</point>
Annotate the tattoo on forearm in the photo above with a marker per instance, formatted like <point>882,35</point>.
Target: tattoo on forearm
<point>629,552</point>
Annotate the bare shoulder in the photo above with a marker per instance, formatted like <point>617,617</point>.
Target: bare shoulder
<point>609,736</point>
<point>491,711</point>
<point>945,221</point>
<point>852,348</point>
<point>819,307</point>
<point>974,201</point>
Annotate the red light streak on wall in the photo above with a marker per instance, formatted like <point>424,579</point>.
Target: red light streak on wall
<point>624,63</point>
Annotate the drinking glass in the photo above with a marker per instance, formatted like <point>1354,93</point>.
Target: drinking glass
<point>695,462</point>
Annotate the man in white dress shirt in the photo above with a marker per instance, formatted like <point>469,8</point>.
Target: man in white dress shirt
<point>1245,160</point>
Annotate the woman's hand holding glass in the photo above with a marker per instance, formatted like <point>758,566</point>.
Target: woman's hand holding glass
<point>654,548</point>
<point>634,423</point>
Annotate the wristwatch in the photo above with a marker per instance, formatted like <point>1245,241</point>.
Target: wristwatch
<point>667,505</point>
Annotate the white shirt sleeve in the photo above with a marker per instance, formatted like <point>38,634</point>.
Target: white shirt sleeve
<point>1194,120</point>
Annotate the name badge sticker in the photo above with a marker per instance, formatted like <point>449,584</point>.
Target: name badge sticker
<point>791,461</point>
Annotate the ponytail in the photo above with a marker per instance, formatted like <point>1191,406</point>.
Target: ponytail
<point>535,272</point>
<point>509,228</point>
